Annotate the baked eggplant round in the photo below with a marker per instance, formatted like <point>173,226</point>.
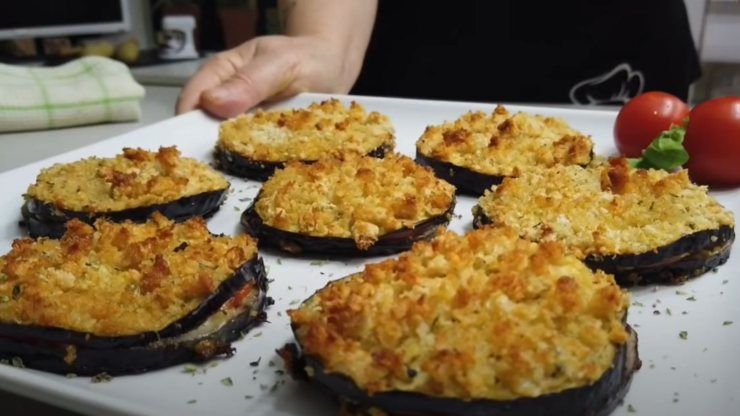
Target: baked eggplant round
<point>642,226</point>
<point>255,145</point>
<point>128,297</point>
<point>481,324</point>
<point>477,151</point>
<point>130,186</point>
<point>350,205</point>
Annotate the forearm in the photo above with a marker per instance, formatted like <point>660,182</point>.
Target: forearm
<point>345,24</point>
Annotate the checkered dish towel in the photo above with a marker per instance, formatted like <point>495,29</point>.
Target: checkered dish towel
<point>84,91</point>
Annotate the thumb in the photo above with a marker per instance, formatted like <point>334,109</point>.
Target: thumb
<point>260,79</point>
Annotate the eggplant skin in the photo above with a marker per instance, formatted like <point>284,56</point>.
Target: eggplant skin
<point>465,180</point>
<point>45,220</point>
<point>52,356</point>
<point>597,399</point>
<point>689,256</point>
<point>246,273</point>
<point>238,165</point>
<point>295,243</point>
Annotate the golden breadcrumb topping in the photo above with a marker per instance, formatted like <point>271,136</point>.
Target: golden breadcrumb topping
<point>608,208</point>
<point>306,134</point>
<point>117,279</point>
<point>353,196</point>
<point>135,178</point>
<point>484,315</point>
<point>503,144</point>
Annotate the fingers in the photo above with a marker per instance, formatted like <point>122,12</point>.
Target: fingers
<point>215,71</point>
<point>264,76</point>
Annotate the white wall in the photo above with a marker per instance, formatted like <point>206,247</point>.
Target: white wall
<point>695,9</point>
<point>141,23</point>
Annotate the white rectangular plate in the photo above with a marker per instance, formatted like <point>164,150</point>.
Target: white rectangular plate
<point>695,376</point>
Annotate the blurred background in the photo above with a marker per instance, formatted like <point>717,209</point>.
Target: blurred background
<point>161,50</point>
<point>166,51</point>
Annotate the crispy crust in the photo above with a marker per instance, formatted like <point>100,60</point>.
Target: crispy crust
<point>690,256</point>
<point>351,197</point>
<point>465,180</point>
<point>45,220</point>
<point>117,279</point>
<point>261,171</point>
<point>210,338</point>
<point>294,243</point>
<point>266,139</point>
<point>642,226</point>
<point>606,209</point>
<point>477,150</point>
<point>597,399</point>
<point>136,178</point>
<point>478,316</point>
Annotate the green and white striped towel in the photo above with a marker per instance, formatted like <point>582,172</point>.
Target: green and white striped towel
<point>84,91</point>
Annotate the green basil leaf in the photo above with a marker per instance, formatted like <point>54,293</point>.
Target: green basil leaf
<point>666,152</point>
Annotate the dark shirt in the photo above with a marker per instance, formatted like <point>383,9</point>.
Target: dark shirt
<point>581,51</point>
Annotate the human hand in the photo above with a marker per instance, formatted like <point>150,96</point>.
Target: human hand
<point>267,68</point>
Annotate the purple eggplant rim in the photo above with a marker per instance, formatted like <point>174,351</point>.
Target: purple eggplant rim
<point>52,356</point>
<point>252,270</point>
<point>295,243</point>
<point>43,219</point>
<point>598,399</point>
<point>467,181</point>
<point>694,254</point>
<point>241,166</point>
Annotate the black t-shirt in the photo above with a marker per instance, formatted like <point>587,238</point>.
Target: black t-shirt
<point>580,51</point>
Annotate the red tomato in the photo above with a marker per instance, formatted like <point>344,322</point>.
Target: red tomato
<point>713,142</point>
<point>643,118</point>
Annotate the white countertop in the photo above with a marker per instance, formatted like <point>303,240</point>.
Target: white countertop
<point>18,149</point>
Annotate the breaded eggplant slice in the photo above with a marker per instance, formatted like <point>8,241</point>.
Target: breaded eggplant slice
<point>128,297</point>
<point>643,226</point>
<point>350,205</point>
<point>482,324</point>
<point>130,186</point>
<point>255,145</point>
<point>478,150</point>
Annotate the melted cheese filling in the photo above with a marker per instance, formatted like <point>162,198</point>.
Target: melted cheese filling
<point>503,144</point>
<point>136,178</point>
<point>606,209</point>
<point>357,197</point>
<point>306,134</point>
<point>485,315</point>
<point>117,279</point>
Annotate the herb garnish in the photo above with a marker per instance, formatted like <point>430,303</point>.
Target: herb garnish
<point>665,152</point>
<point>101,378</point>
<point>190,369</point>
<point>17,290</point>
<point>17,362</point>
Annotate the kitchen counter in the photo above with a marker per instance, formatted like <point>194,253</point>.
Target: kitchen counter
<point>21,148</point>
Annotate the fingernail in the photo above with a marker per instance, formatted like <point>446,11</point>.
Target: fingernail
<point>219,94</point>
